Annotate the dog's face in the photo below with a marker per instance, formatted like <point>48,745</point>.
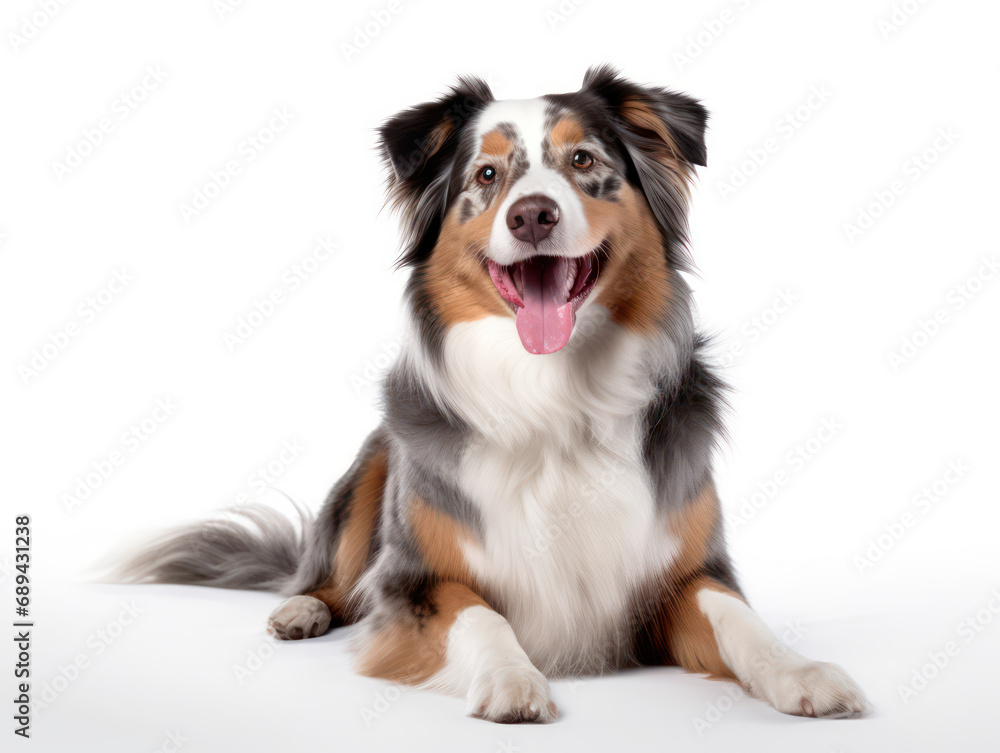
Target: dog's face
<point>529,208</point>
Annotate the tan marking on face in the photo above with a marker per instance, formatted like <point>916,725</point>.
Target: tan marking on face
<point>457,277</point>
<point>634,283</point>
<point>413,649</point>
<point>566,133</point>
<point>495,144</point>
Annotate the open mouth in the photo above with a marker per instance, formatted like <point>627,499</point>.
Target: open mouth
<point>545,292</point>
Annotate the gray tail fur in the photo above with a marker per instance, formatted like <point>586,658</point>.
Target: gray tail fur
<point>254,548</point>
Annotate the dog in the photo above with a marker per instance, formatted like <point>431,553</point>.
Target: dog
<point>538,501</point>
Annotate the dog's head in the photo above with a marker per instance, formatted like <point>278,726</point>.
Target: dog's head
<point>528,208</point>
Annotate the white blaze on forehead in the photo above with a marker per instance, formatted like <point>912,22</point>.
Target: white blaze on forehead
<point>527,117</point>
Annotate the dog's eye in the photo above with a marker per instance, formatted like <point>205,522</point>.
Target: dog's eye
<point>487,175</point>
<point>582,160</point>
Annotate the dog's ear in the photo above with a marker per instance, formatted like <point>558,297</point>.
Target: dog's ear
<point>663,135</point>
<point>666,123</point>
<point>418,147</point>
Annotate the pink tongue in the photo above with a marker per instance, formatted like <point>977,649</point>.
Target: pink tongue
<point>545,322</point>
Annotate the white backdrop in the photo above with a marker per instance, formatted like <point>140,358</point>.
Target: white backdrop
<point>166,170</point>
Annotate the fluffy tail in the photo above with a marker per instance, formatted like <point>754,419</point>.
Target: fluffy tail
<point>255,548</point>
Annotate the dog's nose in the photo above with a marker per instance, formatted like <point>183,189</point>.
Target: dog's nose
<point>532,218</point>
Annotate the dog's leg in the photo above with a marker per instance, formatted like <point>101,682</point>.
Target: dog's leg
<point>451,641</point>
<point>343,533</point>
<point>712,629</point>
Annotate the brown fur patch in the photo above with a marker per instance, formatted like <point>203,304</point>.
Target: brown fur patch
<point>354,542</point>
<point>495,144</point>
<point>439,537</point>
<point>356,538</point>
<point>689,634</point>
<point>639,114</point>
<point>567,132</point>
<point>413,650</point>
<point>694,525</point>
<point>678,632</point>
<point>458,281</point>
<point>436,138</point>
<point>635,282</point>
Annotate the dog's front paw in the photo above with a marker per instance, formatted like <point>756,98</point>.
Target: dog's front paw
<point>510,694</point>
<point>299,617</point>
<point>812,688</point>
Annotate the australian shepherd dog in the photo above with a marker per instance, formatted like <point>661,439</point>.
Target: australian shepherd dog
<point>538,501</point>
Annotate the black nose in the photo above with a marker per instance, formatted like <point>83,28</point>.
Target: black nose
<point>532,218</point>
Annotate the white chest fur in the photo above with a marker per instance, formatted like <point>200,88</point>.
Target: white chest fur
<point>555,469</point>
